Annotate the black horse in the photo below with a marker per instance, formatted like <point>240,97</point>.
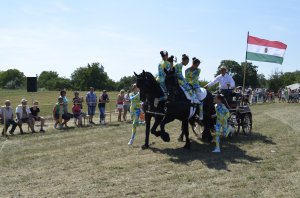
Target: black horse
<point>154,106</point>
<point>177,95</point>
<point>153,97</point>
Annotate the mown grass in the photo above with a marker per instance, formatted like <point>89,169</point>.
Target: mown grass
<point>97,162</point>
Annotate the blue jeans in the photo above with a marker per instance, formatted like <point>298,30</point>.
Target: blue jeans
<point>102,112</point>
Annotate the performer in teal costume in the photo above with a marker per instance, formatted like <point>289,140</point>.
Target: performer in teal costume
<point>181,80</point>
<point>192,77</point>
<point>164,64</point>
<point>222,114</point>
<point>135,110</point>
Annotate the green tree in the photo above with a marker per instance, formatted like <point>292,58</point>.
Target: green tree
<point>275,81</point>
<point>90,76</point>
<point>237,72</point>
<point>12,79</point>
<point>48,80</point>
<point>126,82</point>
<point>262,81</point>
<point>251,74</point>
<point>62,83</point>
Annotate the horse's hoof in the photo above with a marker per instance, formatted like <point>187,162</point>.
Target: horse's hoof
<point>165,137</point>
<point>145,146</point>
<point>156,133</point>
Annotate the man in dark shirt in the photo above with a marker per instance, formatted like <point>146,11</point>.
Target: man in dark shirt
<point>35,110</point>
<point>103,99</point>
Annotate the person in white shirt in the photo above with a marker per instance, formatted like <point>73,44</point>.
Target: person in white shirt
<point>23,116</point>
<point>225,80</point>
<point>226,84</point>
<point>7,117</point>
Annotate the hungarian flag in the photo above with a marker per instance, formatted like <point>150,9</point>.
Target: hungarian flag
<point>265,50</point>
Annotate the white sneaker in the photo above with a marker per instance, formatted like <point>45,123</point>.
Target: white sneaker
<point>130,142</point>
<point>216,150</point>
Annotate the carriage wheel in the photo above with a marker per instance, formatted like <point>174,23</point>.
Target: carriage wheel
<point>233,121</point>
<point>247,124</point>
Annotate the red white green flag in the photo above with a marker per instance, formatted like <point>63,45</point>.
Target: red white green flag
<point>265,50</point>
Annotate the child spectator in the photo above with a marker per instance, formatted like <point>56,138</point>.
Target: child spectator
<point>59,110</point>
<point>76,110</point>
<point>79,100</point>
<point>35,110</point>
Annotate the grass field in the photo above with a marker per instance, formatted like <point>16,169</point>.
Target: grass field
<point>47,99</point>
<point>97,162</point>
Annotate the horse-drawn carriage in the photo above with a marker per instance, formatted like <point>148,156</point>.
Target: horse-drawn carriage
<point>240,118</point>
<point>240,114</point>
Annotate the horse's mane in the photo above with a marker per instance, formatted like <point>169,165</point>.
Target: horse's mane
<point>149,76</point>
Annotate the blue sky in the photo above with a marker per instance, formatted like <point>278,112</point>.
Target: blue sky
<point>126,36</point>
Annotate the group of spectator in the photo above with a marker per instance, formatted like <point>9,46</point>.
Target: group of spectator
<point>261,95</point>
<point>62,116</point>
<point>24,114</point>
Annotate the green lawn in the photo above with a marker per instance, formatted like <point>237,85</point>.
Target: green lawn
<point>47,99</point>
<point>97,162</point>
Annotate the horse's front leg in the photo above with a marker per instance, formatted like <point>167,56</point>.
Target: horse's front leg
<point>185,129</point>
<point>147,134</point>
<point>155,125</point>
<point>163,134</point>
<point>180,138</point>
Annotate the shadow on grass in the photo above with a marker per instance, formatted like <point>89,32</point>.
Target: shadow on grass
<point>253,137</point>
<point>202,152</point>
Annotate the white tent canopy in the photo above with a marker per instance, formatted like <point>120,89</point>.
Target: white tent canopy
<point>294,86</point>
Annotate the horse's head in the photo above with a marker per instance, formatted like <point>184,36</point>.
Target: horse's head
<point>146,82</point>
<point>171,80</point>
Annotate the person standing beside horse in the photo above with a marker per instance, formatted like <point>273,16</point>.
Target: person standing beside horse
<point>192,76</point>
<point>135,110</point>
<point>222,114</point>
<point>164,64</point>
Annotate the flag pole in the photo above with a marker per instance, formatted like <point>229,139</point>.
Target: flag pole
<point>245,67</point>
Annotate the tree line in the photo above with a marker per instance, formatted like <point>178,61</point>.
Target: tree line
<point>93,75</point>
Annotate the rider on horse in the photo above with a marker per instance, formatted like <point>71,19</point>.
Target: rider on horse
<point>181,80</point>
<point>164,64</point>
<point>192,77</point>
